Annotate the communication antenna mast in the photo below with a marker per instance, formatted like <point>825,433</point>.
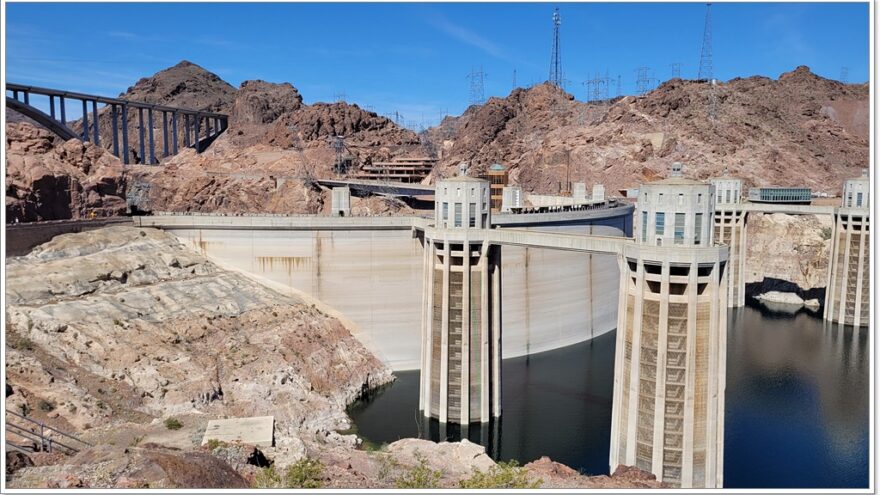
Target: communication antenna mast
<point>556,77</point>
<point>844,75</point>
<point>476,78</point>
<point>676,71</point>
<point>705,73</point>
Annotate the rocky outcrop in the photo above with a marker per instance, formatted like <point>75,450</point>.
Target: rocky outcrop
<point>788,253</point>
<point>117,328</point>
<point>49,179</point>
<point>556,475</point>
<point>149,466</point>
<point>801,129</point>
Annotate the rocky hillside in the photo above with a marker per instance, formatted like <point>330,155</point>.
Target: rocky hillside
<point>260,113</point>
<point>49,179</point>
<point>800,129</point>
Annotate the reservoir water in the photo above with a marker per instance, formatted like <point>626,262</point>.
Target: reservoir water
<point>797,412</point>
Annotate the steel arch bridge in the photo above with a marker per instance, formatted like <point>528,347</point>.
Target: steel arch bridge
<point>195,128</point>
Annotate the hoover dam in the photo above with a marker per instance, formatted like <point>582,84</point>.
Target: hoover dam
<point>369,271</point>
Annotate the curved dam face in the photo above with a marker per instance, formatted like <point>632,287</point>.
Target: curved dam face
<point>373,277</point>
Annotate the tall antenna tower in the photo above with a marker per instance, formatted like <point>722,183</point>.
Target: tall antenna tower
<point>676,71</point>
<point>705,72</point>
<point>556,77</point>
<point>844,75</point>
<point>476,78</point>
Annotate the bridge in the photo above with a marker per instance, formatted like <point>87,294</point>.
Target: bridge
<point>195,128</point>
<point>385,188</point>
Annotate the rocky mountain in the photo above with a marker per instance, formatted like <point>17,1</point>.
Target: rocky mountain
<point>800,129</point>
<point>49,179</point>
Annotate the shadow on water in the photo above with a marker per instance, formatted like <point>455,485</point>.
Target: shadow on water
<point>797,412</point>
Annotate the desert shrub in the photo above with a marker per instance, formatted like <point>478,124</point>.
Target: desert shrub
<point>826,233</point>
<point>173,424</point>
<point>267,478</point>
<point>502,475</point>
<point>21,343</point>
<point>213,443</point>
<point>420,476</point>
<point>45,405</point>
<point>304,474</point>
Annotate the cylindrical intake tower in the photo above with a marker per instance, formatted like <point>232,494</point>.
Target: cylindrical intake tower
<point>669,372</point>
<point>461,313</point>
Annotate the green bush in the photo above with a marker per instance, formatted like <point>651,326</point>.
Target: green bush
<point>420,476</point>
<point>826,233</point>
<point>502,475</point>
<point>304,474</point>
<point>173,424</point>
<point>267,478</point>
<point>45,405</point>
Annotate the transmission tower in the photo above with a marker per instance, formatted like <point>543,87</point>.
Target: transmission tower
<point>676,71</point>
<point>339,97</point>
<point>476,78</point>
<point>643,82</point>
<point>705,72</point>
<point>556,77</point>
<point>844,75</point>
<point>597,88</point>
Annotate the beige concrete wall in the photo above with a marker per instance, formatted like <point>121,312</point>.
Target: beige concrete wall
<point>374,278</point>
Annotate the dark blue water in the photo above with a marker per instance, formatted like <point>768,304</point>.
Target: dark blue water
<point>797,405</point>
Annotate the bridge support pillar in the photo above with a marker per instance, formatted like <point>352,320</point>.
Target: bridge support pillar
<point>730,229</point>
<point>847,293</point>
<point>461,311</point>
<point>670,358</point>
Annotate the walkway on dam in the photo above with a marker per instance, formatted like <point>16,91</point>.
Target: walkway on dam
<point>500,236</point>
<point>780,208</point>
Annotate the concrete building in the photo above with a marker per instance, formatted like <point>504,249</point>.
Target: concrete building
<point>579,192</point>
<point>730,229</point>
<point>406,170</point>
<point>340,202</point>
<point>847,293</point>
<point>511,197</point>
<point>497,177</point>
<point>598,193</point>
<point>461,311</point>
<point>669,371</point>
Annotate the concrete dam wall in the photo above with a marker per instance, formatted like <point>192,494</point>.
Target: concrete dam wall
<point>373,278</point>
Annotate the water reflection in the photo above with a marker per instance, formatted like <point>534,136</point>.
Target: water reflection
<point>797,410</point>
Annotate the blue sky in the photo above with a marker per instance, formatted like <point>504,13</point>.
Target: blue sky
<point>414,58</point>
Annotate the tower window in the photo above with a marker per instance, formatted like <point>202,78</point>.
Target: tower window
<point>458,214</point>
<point>472,214</point>
<point>679,228</point>
<point>659,223</point>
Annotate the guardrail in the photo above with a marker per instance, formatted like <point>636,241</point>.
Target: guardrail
<point>43,435</point>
